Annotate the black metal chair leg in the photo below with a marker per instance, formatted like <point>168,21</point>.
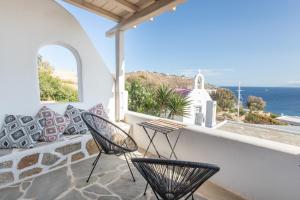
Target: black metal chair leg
<point>146,189</point>
<point>97,158</point>
<point>191,194</point>
<point>94,165</point>
<point>129,167</point>
<point>156,196</point>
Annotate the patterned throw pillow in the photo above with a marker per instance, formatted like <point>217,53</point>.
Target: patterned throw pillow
<point>99,110</point>
<point>77,125</point>
<point>20,131</point>
<point>55,125</point>
<point>101,126</point>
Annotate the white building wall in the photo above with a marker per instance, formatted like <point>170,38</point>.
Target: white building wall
<point>25,27</point>
<point>198,97</point>
<point>211,113</point>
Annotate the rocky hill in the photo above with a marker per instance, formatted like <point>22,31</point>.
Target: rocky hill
<point>155,79</point>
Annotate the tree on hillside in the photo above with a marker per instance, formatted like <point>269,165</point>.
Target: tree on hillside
<point>51,87</point>
<point>225,98</point>
<point>255,103</point>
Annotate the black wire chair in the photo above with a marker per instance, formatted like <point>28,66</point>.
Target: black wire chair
<point>174,179</point>
<point>110,138</point>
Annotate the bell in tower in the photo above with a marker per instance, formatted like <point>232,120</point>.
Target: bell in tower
<point>199,81</point>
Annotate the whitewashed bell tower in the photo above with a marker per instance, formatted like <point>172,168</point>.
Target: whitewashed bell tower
<point>199,81</point>
<point>202,110</point>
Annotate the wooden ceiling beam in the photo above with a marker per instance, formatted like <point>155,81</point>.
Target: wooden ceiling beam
<point>95,9</point>
<point>127,5</point>
<point>147,3</point>
<point>155,9</point>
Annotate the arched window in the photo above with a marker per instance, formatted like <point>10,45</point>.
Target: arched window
<point>58,71</point>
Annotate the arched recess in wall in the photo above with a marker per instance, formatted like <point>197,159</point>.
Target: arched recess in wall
<point>59,74</point>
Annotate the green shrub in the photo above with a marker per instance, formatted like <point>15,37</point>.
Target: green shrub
<point>227,116</point>
<point>177,105</point>
<point>161,101</point>
<point>233,110</point>
<point>256,103</point>
<point>225,98</point>
<point>242,112</point>
<point>272,115</point>
<point>255,118</point>
<point>52,88</point>
<point>140,98</point>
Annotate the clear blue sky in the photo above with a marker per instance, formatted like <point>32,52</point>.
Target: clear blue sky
<point>60,58</point>
<point>256,42</point>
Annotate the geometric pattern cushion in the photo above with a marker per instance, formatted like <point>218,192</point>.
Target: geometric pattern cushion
<point>20,131</point>
<point>55,124</point>
<point>76,125</point>
<point>105,129</point>
<point>98,110</point>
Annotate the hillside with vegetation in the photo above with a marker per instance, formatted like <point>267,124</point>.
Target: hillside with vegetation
<point>155,79</point>
<point>154,94</point>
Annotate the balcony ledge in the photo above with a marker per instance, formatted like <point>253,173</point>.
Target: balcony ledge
<point>259,142</point>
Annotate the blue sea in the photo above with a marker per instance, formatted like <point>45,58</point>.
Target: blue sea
<point>280,100</point>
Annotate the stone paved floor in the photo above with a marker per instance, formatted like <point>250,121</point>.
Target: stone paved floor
<point>111,180</point>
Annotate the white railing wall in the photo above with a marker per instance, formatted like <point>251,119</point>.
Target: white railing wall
<point>253,168</point>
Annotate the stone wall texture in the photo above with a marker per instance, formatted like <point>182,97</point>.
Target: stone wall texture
<point>21,164</point>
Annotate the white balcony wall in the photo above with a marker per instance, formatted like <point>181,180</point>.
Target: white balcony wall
<point>25,27</point>
<point>253,168</point>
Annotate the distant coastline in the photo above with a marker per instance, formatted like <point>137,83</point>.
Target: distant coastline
<point>280,100</point>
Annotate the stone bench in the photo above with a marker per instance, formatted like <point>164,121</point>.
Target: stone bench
<point>19,164</point>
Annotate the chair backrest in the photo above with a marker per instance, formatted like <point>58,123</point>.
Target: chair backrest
<point>173,179</point>
<point>108,135</point>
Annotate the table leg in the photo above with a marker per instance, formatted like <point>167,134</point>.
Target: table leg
<point>176,142</point>
<point>173,147</point>
<point>172,152</point>
<point>151,142</point>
